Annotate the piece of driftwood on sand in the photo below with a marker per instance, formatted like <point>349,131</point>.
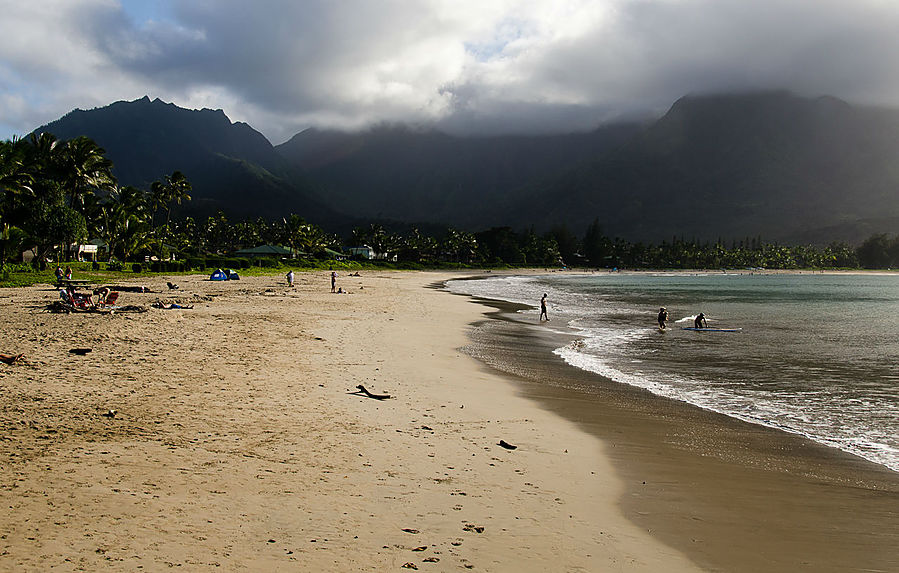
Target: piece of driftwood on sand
<point>364,392</point>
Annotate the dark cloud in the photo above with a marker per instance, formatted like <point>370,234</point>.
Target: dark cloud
<point>502,66</point>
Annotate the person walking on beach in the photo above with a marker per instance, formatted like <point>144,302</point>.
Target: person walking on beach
<point>290,278</point>
<point>333,281</point>
<point>663,318</point>
<point>700,321</point>
<point>543,315</point>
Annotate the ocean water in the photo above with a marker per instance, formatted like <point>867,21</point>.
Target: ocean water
<point>818,354</point>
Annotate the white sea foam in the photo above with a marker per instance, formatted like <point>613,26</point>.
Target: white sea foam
<point>834,401</point>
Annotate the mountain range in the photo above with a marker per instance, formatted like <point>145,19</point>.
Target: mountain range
<point>771,164</point>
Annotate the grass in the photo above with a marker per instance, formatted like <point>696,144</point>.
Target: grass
<point>23,275</point>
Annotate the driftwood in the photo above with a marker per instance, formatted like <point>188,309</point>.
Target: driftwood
<point>363,392</point>
<point>11,358</point>
<point>506,445</point>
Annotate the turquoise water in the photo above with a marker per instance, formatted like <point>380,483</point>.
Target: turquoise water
<point>817,355</point>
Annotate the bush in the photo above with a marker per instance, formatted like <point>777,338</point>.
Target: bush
<point>137,268</point>
<point>269,263</point>
<point>196,263</point>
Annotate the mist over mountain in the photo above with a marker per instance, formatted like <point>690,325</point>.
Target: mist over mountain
<point>770,164</point>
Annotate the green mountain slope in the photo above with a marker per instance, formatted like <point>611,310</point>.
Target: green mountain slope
<point>771,164</point>
<point>413,175</point>
<point>231,166</point>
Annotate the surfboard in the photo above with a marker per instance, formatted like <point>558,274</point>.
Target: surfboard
<point>711,329</point>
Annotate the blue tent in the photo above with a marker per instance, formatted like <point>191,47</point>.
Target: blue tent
<point>232,275</point>
<point>218,275</point>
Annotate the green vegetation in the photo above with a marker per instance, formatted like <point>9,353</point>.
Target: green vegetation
<point>879,252</point>
<point>57,193</point>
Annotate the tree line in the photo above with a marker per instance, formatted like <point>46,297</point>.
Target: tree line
<point>57,192</point>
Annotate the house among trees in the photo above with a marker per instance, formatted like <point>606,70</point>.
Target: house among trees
<point>273,251</point>
<point>367,253</point>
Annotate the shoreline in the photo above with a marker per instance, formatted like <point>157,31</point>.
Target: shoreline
<point>724,491</point>
<point>232,434</point>
<point>870,450</point>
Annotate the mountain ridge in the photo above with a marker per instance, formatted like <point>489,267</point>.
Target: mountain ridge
<point>231,166</point>
<point>727,166</point>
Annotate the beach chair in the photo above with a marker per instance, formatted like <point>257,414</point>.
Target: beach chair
<point>75,300</point>
<point>110,301</point>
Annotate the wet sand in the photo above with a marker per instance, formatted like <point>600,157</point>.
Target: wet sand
<point>733,496</point>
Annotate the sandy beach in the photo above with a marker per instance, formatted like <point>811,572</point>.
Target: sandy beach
<point>236,442</point>
<point>239,441</point>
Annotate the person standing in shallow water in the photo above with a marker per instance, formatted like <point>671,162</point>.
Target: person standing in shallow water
<point>543,315</point>
<point>663,318</point>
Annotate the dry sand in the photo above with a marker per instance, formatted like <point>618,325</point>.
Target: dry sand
<point>237,445</point>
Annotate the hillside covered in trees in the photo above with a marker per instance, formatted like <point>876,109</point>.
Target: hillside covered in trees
<point>714,168</point>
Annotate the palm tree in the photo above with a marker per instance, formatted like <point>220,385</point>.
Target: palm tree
<point>219,233</point>
<point>460,245</point>
<point>11,241</point>
<point>173,190</point>
<point>14,175</point>
<point>312,239</point>
<point>123,220</point>
<point>83,170</point>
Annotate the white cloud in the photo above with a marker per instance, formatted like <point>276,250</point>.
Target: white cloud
<point>496,65</point>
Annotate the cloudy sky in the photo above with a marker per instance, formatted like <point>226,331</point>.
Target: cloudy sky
<point>495,66</point>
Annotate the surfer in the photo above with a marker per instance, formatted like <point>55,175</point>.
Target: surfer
<point>700,321</point>
<point>663,317</point>
<point>543,314</point>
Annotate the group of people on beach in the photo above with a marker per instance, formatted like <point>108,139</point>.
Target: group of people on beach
<point>63,274</point>
<point>82,300</point>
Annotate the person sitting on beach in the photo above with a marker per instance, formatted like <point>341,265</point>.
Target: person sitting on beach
<point>102,293</point>
<point>76,299</point>
<point>543,314</point>
<point>663,317</point>
<point>700,321</point>
<point>59,274</point>
<point>171,305</point>
<point>68,273</point>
